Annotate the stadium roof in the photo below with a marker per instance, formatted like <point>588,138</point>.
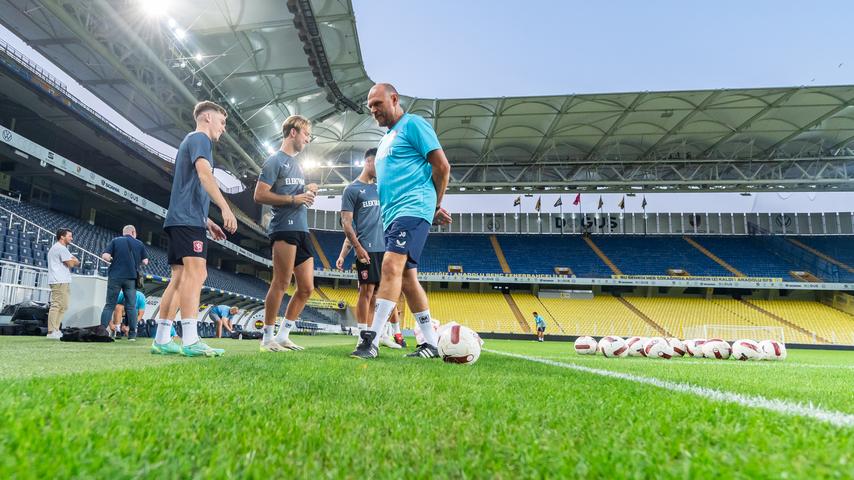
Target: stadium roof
<point>267,62</point>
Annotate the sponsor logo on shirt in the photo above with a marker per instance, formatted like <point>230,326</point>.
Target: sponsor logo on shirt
<point>294,181</point>
<point>370,203</point>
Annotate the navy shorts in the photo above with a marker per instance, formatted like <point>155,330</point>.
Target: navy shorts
<point>407,236</point>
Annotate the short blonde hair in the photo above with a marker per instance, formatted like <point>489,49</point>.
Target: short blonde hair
<point>205,106</point>
<point>297,122</point>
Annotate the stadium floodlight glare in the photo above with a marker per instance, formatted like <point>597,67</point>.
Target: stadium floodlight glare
<point>231,100</point>
<point>180,33</point>
<point>270,150</point>
<point>172,23</point>
<point>198,57</point>
<point>155,8</point>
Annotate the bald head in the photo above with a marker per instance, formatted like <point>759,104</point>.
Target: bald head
<point>385,87</point>
<point>384,103</point>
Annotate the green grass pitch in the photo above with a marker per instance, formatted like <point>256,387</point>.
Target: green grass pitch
<point>115,411</point>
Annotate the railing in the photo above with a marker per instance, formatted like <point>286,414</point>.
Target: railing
<point>60,88</point>
<point>19,283</point>
<point>44,235</point>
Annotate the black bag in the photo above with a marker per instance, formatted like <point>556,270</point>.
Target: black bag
<point>97,333</point>
<point>241,335</point>
<point>29,316</point>
<point>140,277</point>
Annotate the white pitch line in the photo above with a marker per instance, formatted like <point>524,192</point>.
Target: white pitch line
<point>712,362</point>
<point>838,419</point>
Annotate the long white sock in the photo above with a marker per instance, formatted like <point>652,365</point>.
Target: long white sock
<point>382,312</point>
<point>395,328</point>
<point>189,331</point>
<point>362,326</point>
<point>164,331</point>
<point>423,319</point>
<point>268,333</point>
<point>284,331</point>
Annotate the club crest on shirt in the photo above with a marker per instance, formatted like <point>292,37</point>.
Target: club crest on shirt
<point>198,246</point>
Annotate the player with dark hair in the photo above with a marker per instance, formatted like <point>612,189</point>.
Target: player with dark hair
<point>362,223</point>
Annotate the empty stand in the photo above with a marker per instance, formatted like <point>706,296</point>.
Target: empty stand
<point>540,254</point>
<point>748,256</point>
<point>654,255</point>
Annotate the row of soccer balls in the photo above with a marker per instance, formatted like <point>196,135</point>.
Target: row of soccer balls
<point>658,347</point>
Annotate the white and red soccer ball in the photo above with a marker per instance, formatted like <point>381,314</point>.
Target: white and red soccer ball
<point>612,346</point>
<point>773,350</point>
<point>717,348</point>
<point>695,347</point>
<point>746,349</point>
<point>585,345</point>
<point>459,344</point>
<point>657,347</point>
<point>678,346</point>
<point>636,345</point>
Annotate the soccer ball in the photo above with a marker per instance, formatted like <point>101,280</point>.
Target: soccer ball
<point>746,350</point>
<point>635,345</point>
<point>613,347</point>
<point>459,344</point>
<point>658,347</point>
<point>695,347</point>
<point>716,348</point>
<point>773,350</point>
<point>585,346</point>
<point>678,346</point>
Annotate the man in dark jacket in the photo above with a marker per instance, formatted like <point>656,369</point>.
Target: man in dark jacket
<point>125,253</point>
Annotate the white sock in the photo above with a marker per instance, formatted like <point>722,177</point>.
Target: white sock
<point>164,329</point>
<point>284,331</point>
<point>382,312</point>
<point>395,328</point>
<point>268,333</point>
<point>423,319</point>
<point>189,332</point>
<point>362,326</point>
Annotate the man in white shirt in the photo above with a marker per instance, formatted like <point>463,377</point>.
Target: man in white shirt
<point>59,264</point>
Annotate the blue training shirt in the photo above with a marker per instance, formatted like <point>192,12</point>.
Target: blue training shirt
<point>404,176</point>
<point>222,311</point>
<point>189,202</point>
<point>140,300</point>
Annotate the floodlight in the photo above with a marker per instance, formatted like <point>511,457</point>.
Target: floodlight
<point>155,8</point>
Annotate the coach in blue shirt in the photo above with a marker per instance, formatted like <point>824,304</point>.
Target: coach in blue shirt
<point>125,253</point>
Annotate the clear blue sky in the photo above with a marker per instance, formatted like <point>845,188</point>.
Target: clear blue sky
<point>482,48</point>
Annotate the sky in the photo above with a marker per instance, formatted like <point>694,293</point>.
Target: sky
<point>489,48</point>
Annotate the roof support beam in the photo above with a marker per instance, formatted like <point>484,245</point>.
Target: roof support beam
<point>687,118</point>
<point>768,152</point>
<point>747,123</point>
<point>631,108</point>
